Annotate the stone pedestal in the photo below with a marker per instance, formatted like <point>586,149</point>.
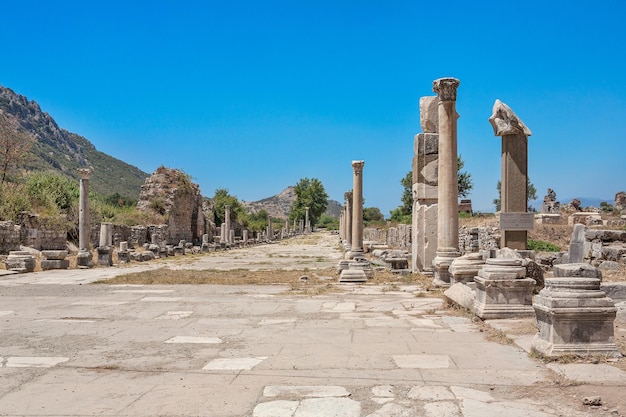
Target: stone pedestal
<point>20,261</point>
<point>464,268</point>
<point>84,259</point>
<point>352,276</point>
<point>573,315</point>
<point>501,289</point>
<point>362,265</point>
<point>54,259</point>
<point>105,256</point>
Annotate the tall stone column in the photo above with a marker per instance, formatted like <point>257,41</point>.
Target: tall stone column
<point>341,225</point>
<point>307,222</point>
<point>514,181</point>
<point>270,230</point>
<point>227,221</point>
<point>447,179</point>
<point>356,247</point>
<point>84,258</point>
<point>348,232</point>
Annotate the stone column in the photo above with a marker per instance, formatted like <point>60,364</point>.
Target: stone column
<point>270,231</point>
<point>425,163</point>
<point>341,225</point>
<point>348,207</point>
<point>447,181</point>
<point>84,258</point>
<point>514,181</point>
<point>286,227</point>
<point>307,224</point>
<point>356,247</point>
<point>105,251</point>
<point>227,221</point>
<point>223,234</point>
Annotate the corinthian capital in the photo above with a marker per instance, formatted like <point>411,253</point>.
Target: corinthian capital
<point>358,166</point>
<point>446,88</point>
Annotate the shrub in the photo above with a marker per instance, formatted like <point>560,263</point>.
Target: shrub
<point>542,246</point>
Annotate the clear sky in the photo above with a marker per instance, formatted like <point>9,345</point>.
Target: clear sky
<point>254,95</point>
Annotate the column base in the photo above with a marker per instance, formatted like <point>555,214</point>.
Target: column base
<point>441,266</point>
<point>84,259</point>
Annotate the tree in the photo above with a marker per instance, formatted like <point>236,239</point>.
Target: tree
<point>309,193</point>
<point>531,193</point>
<point>14,145</point>
<point>372,214</point>
<point>465,185</point>
<point>221,199</point>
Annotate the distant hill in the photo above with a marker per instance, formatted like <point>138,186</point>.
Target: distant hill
<point>60,151</point>
<point>280,204</point>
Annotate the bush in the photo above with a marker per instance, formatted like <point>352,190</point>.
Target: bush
<point>13,200</point>
<point>542,246</point>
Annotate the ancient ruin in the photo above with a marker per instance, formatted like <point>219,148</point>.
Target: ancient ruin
<point>447,181</point>
<point>425,163</point>
<point>84,258</point>
<point>514,219</point>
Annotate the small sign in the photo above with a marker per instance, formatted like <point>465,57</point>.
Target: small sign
<point>517,221</point>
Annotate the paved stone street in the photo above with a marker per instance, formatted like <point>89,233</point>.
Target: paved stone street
<point>209,350</point>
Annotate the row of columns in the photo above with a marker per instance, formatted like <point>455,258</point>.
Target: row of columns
<point>351,219</point>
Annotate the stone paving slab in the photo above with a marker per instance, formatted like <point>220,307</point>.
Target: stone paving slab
<point>250,351</point>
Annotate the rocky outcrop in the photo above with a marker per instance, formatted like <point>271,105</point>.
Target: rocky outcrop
<point>279,206</point>
<point>58,150</point>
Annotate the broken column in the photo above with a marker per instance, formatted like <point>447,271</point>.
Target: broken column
<point>227,222</point>
<point>573,315</point>
<point>84,258</point>
<point>270,230</point>
<point>123,255</point>
<point>105,249</point>
<point>514,181</point>
<point>502,289</point>
<point>424,220</point>
<point>348,220</point>
<point>307,222</point>
<point>447,181</point>
<point>244,237</point>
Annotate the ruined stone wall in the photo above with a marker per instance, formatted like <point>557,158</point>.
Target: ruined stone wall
<point>605,245</point>
<point>41,233</point>
<point>398,237</point>
<point>472,239</point>
<point>9,237</point>
<point>138,236</point>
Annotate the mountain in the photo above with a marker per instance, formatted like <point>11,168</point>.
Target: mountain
<point>59,151</point>
<point>280,205</point>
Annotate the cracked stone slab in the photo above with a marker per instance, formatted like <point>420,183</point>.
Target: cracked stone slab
<point>590,373</point>
<point>430,393</point>
<point>266,322</point>
<point>233,364</point>
<point>161,299</point>
<point>6,313</point>
<point>194,339</point>
<point>34,361</point>
<point>174,315</point>
<point>305,391</point>
<point>142,291</point>
<point>422,361</point>
<point>99,303</point>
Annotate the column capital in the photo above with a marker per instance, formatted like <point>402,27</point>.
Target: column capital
<point>358,166</point>
<point>84,173</point>
<point>347,196</point>
<point>446,88</point>
<point>227,206</point>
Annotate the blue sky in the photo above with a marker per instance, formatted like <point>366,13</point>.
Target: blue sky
<point>254,95</point>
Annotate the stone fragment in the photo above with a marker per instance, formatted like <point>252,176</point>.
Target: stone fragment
<point>461,295</point>
<point>464,268</point>
<point>577,244</point>
<point>594,400</point>
<point>49,264</point>
<point>20,261</point>
<point>429,114</point>
<point>576,270</point>
<point>505,122</point>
